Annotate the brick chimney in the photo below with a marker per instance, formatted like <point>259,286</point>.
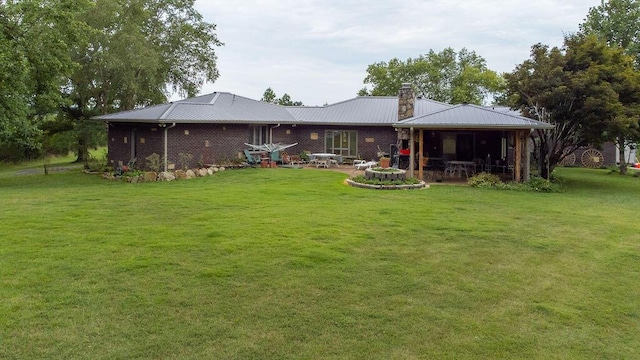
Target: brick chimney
<point>406,101</point>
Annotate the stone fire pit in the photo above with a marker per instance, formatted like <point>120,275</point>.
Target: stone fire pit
<point>385,174</point>
<point>385,177</point>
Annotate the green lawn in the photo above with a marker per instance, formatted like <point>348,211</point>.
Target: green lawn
<point>293,264</point>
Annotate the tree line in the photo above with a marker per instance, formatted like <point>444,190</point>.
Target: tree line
<point>588,88</point>
<point>65,61</point>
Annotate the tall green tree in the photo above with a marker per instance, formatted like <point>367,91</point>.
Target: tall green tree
<point>618,23</point>
<point>271,97</point>
<point>585,89</point>
<point>36,37</point>
<point>446,76</point>
<point>137,53</point>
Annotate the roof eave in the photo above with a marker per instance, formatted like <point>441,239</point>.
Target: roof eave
<point>471,126</point>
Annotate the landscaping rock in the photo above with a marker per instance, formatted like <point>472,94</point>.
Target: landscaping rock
<point>202,172</point>
<point>150,176</point>
<point>190,174</point>
<point>166,176</point>
<point>210,171</point>
<point>180,175</point>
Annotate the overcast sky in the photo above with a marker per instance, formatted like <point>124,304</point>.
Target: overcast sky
<point>318,51</point>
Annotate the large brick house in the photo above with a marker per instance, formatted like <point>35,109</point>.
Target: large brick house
<point>214,128</point>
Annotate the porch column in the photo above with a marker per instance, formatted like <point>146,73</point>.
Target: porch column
<point>518,156</point>
<point>527,147</point>
<point>412,156</point>
<point>420,156</point>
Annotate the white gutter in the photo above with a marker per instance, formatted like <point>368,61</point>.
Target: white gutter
<point>166,142</point>
<point>271,133</point>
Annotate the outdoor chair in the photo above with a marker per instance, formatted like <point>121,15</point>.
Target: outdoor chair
<point>337,161</point>
<point>479,164</point>
<point>250,159</point>
<point>449,169</point>
<point>132,163</point>
<point>501,165</point>
<point>312,160</point>
<point>364,165</point>
<point>295,160</point>
<point>285,158</point>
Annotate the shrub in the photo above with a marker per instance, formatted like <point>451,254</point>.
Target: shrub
<point>484,179</point>
<point>154,162</point>
<point>536,184</point>
<point>185,160</point>
<point>541,185</point>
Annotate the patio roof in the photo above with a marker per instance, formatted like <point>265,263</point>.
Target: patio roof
<point>466,116</point>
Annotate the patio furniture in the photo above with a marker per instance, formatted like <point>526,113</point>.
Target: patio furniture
<point>364,165</point>
<point>272,149</point>
<point>479,164</point>
<point>325,159</point>
<point>312,160</point>
<point>295,160</point>
<point>250,159</point>
<point>285,158</point>
<point>460,167</point>
<point>449,168</point>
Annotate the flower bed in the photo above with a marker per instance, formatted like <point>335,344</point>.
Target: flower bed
<point>385,179</point>
<point>385,174</point>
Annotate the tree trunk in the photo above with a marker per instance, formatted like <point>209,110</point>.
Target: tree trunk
<point>83,154</point>
<point>623,161</point>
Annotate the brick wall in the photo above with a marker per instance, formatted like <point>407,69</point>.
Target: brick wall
<point>369,138</point>
<point>217,143</point>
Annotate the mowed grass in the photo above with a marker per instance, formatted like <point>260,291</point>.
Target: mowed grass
<point>290,264</point>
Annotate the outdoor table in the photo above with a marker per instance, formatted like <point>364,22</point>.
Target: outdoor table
<point>324,159</point>
<point>461,166</point>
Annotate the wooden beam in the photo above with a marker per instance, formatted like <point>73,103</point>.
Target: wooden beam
<point>412,157</point>
<point>518,160</point>
<point>420,156</point>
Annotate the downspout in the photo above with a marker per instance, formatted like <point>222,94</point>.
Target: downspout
<point>166,143</point>
<point>271,133</point>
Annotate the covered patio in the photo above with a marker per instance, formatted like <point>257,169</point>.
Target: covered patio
<point>468,139</point>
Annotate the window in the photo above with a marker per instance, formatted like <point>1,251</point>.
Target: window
<point>341,142</point>
<point>258,135</point>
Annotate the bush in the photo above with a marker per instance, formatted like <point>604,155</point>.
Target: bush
<point>184,159</point>
<point>154,162</point>
<point>484,179</point>
<point>536,184</point>
<point>541,185</point>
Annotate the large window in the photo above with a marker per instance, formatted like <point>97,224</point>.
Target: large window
<point>341,142</point>
<point>258,135</point>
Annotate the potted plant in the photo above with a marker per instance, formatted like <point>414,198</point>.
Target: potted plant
<point>385,162</point>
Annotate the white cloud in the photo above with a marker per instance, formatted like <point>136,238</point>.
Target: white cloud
<point>318,51</point>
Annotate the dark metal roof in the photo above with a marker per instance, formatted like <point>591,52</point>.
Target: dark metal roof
<point>465,116</point>
<point>363,110</point>
<point>222,107</point>
<point>211,108</point>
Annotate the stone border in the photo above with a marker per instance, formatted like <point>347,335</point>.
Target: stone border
<point>385,174</point>
<point>419,185</point>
